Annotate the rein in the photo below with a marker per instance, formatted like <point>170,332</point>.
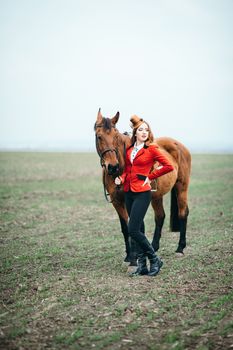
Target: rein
<point>102,163</point>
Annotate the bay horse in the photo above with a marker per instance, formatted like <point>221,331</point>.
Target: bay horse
<point>111,146</point>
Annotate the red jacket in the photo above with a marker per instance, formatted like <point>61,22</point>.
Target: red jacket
<point>142,164</point>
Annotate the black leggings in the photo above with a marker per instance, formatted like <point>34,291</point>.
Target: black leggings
<point>137,204</point>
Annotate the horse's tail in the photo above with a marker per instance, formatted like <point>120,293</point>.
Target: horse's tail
<point>174,219</point>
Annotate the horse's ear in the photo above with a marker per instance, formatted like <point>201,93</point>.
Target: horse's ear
<point>115,118</point>
<point>99,117</point>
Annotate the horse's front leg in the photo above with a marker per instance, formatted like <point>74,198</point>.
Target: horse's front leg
<point>124,230</point>
<point>130,245</point>
<point>157,205</point>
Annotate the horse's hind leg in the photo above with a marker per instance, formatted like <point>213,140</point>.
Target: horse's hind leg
<point>183,211</point>
<point>157,205</point>
<point>182,240</point>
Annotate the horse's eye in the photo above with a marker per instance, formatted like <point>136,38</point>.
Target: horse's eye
<point>99,137</point>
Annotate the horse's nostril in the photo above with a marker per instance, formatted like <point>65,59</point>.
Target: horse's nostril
<point>113,169</point>
<point>110,169</point>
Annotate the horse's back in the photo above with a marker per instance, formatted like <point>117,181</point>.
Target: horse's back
<point>180,158</point>
<point>174,147</point>
<point>177,150</point>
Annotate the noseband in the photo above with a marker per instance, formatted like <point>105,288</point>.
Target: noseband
<point>101,154</point>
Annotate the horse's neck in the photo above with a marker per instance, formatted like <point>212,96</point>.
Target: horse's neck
<point>123,144</point>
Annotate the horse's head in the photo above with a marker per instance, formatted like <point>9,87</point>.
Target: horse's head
<point>106,143</point>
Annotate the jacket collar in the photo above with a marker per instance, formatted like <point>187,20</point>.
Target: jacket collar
<point>132,145</point>
<point>141,151</point>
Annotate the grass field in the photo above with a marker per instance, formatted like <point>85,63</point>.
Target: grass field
<point>63,281</point>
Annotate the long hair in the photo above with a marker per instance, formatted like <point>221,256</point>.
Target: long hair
<point>135,123</point>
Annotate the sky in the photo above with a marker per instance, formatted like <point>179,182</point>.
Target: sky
<point>168,61</point>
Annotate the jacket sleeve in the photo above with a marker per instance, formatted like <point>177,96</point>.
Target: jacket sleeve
<point>165,166</point>
<point>123,177</point>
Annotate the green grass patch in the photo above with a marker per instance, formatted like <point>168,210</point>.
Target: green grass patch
<point>63,281</point>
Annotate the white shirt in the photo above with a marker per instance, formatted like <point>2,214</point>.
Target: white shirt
<point>135,151</point>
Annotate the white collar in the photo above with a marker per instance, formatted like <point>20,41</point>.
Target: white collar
<point>139,147</point>
<point>135,150</point>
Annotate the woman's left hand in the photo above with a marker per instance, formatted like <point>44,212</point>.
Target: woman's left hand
<point>147,181</point>
<point>118,181</point>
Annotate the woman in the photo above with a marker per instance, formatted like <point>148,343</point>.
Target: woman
<point>136,179</point>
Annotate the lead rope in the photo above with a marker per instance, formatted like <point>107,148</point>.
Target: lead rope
<point>106,194</point>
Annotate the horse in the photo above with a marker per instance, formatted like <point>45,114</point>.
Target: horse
<point>111,147</point>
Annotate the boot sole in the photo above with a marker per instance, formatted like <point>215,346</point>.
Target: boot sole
<point>141,273</point>
<point>156,273</point>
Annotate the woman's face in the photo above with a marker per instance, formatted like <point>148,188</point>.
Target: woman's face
<point>142,133</point>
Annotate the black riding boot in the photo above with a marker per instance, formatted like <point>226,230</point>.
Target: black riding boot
<point>155,263</point>
<point>142,267</point>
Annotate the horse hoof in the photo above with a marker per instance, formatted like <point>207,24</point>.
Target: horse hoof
<point>179,254</point>
<point>131,269</point>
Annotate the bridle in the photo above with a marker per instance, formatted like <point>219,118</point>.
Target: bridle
<point>102,161</point>
<point>101,154</point>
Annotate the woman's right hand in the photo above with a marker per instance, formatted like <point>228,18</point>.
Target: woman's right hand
<point>117,180</point>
